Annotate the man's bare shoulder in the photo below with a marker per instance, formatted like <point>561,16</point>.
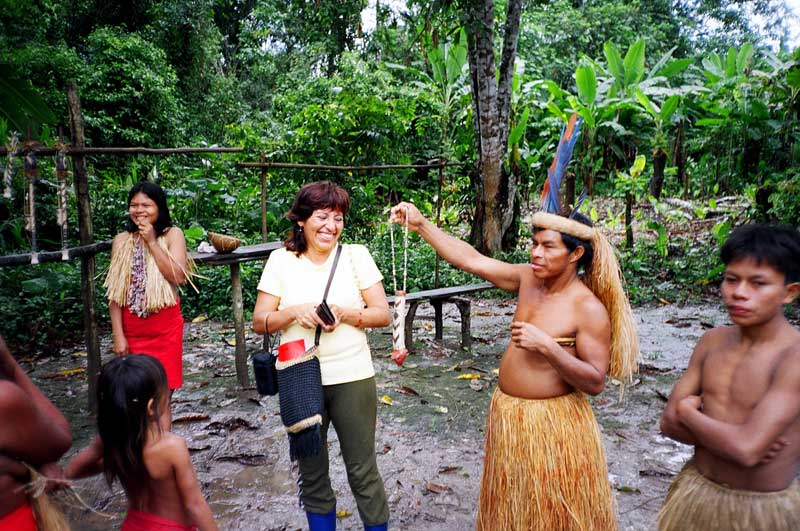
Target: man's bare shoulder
<point>789,358</point>
<point>587,304</point>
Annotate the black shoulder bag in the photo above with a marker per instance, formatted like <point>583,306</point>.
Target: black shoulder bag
<point>264,366</point>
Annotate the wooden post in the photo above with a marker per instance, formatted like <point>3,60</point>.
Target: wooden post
<point>263,159</point>
<point>238,322</point>
<point>438,224</point>
<point>85,229</point>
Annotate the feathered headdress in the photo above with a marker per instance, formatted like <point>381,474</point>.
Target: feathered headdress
<point>603,275</point>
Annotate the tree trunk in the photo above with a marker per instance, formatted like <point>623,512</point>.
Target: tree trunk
<point>569,190</point>
<point>679,159</point>
<point>657,180</point>
<point>629,220</point>
<point>496,189</point>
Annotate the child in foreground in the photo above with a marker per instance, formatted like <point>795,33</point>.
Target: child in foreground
<point>739,401</point>
<point>136,447</point>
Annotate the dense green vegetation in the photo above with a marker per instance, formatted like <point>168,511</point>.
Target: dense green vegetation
<point>691,124</point>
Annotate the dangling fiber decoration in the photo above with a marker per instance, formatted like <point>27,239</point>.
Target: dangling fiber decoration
<point>8,171</point>
<point>48,516</point>
<point>603,275</point>
<point>31,173</point>
<point>61,212</point>
<point>399,350</point>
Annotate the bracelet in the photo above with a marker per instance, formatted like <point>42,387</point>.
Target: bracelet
<point>360,319</point>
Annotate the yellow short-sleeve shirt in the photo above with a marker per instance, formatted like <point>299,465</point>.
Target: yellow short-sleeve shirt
<point>344,353</point>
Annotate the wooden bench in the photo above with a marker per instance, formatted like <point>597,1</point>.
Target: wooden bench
<point>437,297</point>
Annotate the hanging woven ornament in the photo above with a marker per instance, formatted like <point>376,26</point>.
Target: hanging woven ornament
<point>61,211</point>
<point>399,350</point>
<point>31,173</point>
<point>8,171</point>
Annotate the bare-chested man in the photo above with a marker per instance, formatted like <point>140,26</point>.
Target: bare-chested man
<point>32,431</point>
<point>739,401</point>
<point>544,467</point>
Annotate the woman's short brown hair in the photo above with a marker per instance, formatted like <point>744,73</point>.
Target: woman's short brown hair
<point>311,197</point>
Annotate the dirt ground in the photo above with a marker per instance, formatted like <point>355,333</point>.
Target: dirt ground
<point>430,425</point>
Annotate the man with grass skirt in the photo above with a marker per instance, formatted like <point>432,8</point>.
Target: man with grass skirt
<point>544,466</point>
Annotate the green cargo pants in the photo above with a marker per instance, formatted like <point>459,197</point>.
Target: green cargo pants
<point>352,407</point>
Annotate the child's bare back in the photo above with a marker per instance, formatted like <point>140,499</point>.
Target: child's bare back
<point>172,490</point>
<point>741,381</point>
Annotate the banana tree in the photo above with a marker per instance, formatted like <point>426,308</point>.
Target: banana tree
<point>630,185</point>
<point>607,100</point>
<point>661,117</point>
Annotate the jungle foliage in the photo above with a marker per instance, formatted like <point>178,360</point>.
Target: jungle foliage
<point>691,119</point>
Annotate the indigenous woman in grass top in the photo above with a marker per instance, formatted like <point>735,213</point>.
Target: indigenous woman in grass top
<point>289,293</point>
<point>148,263</point>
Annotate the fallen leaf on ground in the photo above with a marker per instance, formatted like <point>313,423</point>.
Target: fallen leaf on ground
<point>441,409</point>
<point>231,424</point>
<point>190,418</point>
<point>80,354</point>
<point>245,459</point>
<point>64,373</point>
<point>343,513</point>
<point>496,371</point>
<point>468,376</point>
<point>407,390</point>
<point>231,342</point>
<point>199,448</point>
<point>200,318</point>
<point>436,487</point>
<point>448,469</point>
<point>386,399</point>
<point>386,449</point>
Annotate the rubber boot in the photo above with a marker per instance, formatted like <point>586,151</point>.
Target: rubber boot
<point>321,522</point>
<point>379,527</point>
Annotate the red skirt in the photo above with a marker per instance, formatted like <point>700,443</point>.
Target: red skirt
<point>139,521</point>
<point>20,519</point>
<point>159,335</point>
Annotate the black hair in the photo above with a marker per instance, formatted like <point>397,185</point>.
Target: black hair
<point>125,387</point>
<point>572,243</point>
<point>156,193</point>
<point>774,245</point>
<point>311,197</point>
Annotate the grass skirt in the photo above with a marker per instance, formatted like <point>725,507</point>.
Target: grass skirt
<point>694,502</point>
<point>545,467</point>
